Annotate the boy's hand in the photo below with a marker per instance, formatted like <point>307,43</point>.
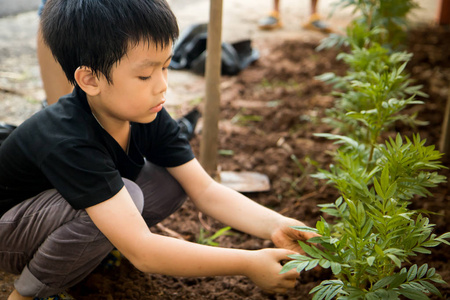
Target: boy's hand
<point>284,236</point>
<point>264,270</point>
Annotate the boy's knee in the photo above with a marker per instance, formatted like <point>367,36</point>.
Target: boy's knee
<point>170,201</point>
<point>177,193</point>
<point>136,194</point>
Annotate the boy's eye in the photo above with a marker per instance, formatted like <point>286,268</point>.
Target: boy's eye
<point>167,65</point>
<point>144,77</point>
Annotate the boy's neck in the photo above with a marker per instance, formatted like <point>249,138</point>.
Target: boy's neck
<point>119,130</point>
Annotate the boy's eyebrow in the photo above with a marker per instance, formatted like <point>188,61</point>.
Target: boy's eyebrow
<point>150,63</point>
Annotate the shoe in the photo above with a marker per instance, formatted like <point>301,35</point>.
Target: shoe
<point>272,21</point>
<point>60,296</point>
<point>316,23</point>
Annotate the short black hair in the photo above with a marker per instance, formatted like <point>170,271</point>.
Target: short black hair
<point>98,33</point>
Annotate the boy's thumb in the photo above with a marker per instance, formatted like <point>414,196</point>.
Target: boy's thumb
<point>283,255</point>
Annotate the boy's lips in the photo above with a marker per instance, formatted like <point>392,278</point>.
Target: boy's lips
<point>158,107</point>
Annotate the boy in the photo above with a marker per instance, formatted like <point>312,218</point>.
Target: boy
<point>98,168</point>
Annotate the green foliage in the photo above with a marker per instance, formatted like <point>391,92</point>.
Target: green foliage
<point>305,168</point>
<point>242,119</point>
<point>370,97</point>
<point>205,238</point>
<point>374,233</point>
<point>389,15</point>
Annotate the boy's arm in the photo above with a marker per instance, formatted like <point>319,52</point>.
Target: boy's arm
<point>236,210</point>
<point>120,221</point>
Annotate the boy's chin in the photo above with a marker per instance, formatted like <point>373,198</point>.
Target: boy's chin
<point>149,119</point>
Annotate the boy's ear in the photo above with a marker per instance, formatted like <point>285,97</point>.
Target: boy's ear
<point>87,81</point>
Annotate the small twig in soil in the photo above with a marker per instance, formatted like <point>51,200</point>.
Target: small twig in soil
<point>170,232</point>
<point>298,202</point>
<point>200,218</point>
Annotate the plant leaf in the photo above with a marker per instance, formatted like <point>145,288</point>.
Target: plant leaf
<point>431,288</point>
<point>305,229</point>
<point>395,259</point>
<point>289,266</point>
<point>384,282</point>
<point>335,268</point>
<point>378,188</point>
<point>413,294</point>
<point>312,264</point>
<point>301,266</point>
<point>310,250</point>
<point>422,270</point>
<point>412,273</point>
<point>370,260</point>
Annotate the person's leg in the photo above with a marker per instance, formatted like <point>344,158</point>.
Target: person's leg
<point>53,78</point>
<point>163,195</point>
<point>16,296</point>
<point>315,21</point>
<point>70,247</point>
<point>276,5</point>
<point>51,245</point>
<point>272,21</point>
<point>313,7</point>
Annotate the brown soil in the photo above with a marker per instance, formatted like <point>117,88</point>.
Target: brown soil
<point>281,91</point>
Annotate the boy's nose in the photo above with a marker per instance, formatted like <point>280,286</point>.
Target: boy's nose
<point>162,83</point>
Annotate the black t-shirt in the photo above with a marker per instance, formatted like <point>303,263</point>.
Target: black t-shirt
<point>64,147</point>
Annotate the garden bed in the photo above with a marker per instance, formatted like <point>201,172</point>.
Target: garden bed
<point>269,114</point>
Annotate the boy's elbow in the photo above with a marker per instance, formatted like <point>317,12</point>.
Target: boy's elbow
<point>136,259</point>
<point>142,262</point>
<point>141,256</point>
<point>141,265</point>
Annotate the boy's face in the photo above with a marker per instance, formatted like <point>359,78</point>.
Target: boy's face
<point>139,84</point>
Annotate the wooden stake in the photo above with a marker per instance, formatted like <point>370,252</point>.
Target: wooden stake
<point>445,134</point>
<point>443,15</point>
<point>208,144</point>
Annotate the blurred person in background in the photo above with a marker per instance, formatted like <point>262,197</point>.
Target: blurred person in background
<point>273,19</point>
<point>53,78</point>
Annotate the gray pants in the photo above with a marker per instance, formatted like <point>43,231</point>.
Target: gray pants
<point>53,246</point>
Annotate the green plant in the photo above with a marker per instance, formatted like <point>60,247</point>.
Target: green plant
<point>369,245</point>
<point>376,232</point>
<point>305,168</point>
<point>386,18</point>
<point>242,119</point>
<point>374,91</point>
<point>206,238</point>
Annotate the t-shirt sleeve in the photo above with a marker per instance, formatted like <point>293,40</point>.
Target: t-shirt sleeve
<point>168,148</point>
<point>82,173</point>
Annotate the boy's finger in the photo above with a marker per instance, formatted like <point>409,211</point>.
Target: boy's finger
<point>285,285</point>
<point>292,275</point>
<point>283,254</point>
<point>283,257</point>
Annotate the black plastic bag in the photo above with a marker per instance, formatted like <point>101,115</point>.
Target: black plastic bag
<point>190,52</point>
